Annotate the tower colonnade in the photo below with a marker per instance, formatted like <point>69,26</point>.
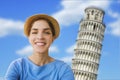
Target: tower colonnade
<point>88,45</point>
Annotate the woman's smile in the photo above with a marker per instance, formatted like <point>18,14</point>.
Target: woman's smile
<point>40,43</point>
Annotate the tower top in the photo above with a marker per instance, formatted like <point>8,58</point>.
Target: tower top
<point>94,8</point>
<point>94,13</point>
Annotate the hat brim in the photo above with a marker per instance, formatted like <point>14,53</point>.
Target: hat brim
<point>27,25</point>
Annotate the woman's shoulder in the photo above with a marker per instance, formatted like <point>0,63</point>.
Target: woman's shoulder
<point>64,69</point>
<point>61,63</point>
<point>18,61</point>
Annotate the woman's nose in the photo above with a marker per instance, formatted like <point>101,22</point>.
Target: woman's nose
<point>40,35</point>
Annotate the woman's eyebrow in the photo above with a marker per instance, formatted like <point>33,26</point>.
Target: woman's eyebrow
<point>44,29</point>
<point>47,29</point>
<point>34,29</point>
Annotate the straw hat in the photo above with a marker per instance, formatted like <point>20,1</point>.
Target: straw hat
<point>27,25</point>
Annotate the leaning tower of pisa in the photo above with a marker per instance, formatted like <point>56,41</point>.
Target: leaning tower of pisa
<point>88,45</point>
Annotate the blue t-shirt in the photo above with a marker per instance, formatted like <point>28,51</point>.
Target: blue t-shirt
<point>24,69</point>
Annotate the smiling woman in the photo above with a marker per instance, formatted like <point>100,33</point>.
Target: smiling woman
<point>41,30</point>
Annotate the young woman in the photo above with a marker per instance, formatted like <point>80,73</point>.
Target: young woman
<point>41,31</point>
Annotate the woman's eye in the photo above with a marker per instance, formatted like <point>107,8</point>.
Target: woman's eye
<point>34,32</point>
<point>47,33</point>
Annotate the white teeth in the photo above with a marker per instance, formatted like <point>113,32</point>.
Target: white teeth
<point>40,44</point>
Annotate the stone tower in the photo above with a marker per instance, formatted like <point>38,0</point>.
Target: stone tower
<point>88,45</point>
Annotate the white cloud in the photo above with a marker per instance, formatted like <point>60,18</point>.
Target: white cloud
<point>27,50</point>
<point>113,14</point>
<point>115,25</point>
<point>73,11</point>
<point>71,49</point>
<point>67,59</point>
<point>8,26</point>
<point>53,49</point>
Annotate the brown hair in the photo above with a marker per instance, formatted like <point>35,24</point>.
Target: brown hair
<point>52,22</point>
<point>48,21</point>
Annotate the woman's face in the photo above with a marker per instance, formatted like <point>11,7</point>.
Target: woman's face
<point>40,36</point>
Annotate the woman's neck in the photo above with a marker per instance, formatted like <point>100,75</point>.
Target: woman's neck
<point>40,59</point>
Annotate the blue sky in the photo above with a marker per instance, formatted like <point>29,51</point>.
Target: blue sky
<point>13,43</point>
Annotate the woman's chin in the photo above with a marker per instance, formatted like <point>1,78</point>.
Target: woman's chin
<point>41,51</point>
